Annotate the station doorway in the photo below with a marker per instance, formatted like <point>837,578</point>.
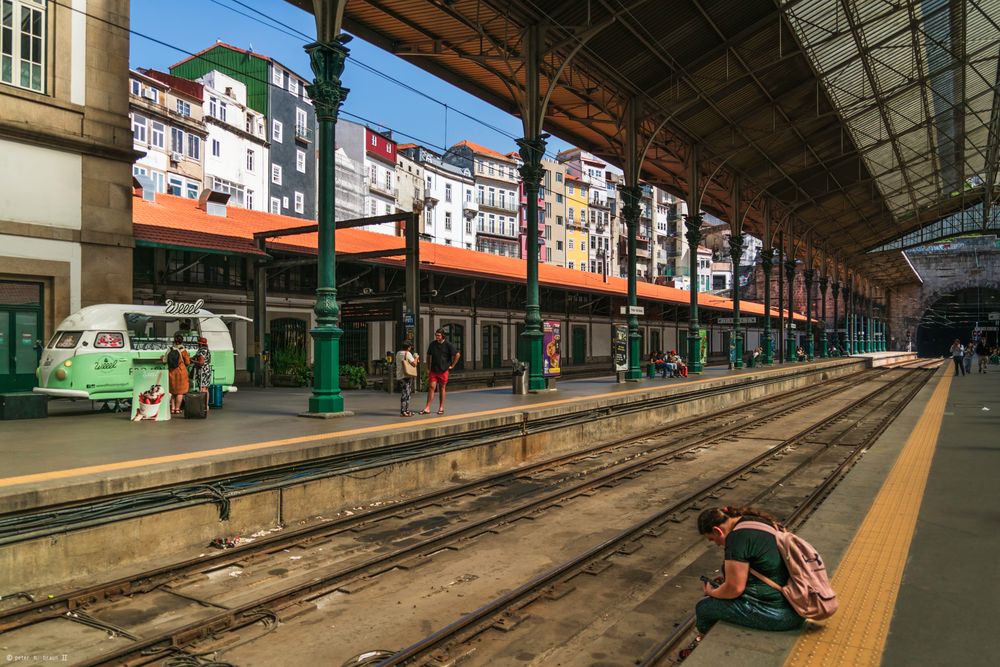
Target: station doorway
<point>957,315</point>
<point>20,334</point>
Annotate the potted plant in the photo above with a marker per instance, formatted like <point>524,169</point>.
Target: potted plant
<point>353,376</point>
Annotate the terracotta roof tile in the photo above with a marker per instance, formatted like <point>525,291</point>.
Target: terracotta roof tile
<point>186,86</point>
<point>476,148</point>
<point>178,221</point>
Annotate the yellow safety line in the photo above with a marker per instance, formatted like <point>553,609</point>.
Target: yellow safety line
<point>34,478</point>
<point>867,580</point>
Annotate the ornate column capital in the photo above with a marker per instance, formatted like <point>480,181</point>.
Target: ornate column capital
<point>531,151</point>
<point>326,91</point>
<point>736,248</point>
<point>693,233</point>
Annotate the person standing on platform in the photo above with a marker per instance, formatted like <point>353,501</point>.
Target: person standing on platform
<point>983,353</point>
<point>957,352</point>
<point>442,357</point>
<point>202,368</point>
<point>406,373</point>
<point>177,360</point>
<point>970,351</point>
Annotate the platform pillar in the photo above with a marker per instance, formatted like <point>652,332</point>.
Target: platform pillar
<point>532,149</point>
<point>766,264</point>
<point>835,292</point>
<point>693,236</point>
<point>735,253</point>
<point>824,351</point>
<point>808,274</point>
<point>327,94</point>
<point>631,195</point>
<point>790,336</point>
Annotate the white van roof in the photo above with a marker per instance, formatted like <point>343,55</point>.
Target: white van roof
<point>111,316</point>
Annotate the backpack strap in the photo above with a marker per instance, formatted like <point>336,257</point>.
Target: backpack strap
<point>767,528</point>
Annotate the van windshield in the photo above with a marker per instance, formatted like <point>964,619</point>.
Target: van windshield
<point>65,340</point>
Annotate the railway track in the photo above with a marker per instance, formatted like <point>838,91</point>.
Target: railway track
<point>619,468</point>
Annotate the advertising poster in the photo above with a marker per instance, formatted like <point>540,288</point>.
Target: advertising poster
<point>551,342</point>
<point>619,347</point>
<point>150,401</point>
<point>704,346</point>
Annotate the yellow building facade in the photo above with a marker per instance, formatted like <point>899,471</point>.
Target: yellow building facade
<point>577,253</point>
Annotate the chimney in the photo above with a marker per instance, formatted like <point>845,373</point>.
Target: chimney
<point>213,202</point>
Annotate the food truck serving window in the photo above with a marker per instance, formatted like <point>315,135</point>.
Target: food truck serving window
<point>107,339</point>
<point>67,340</point>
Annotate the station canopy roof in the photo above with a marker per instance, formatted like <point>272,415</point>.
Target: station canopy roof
<point>862,120</point>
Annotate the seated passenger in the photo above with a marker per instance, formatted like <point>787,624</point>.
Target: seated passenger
<point>741,598</point>
<point>680,368</point>
<point>800,354</point>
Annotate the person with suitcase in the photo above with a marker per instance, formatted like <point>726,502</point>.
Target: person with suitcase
<point>202,376</point>
<point>177,360</point>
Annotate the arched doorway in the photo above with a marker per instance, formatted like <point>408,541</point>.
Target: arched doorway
<point>455,334</point>
<point>492,346</point>
<point>956,315</point>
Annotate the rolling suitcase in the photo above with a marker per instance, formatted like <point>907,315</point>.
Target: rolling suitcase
<point>215,395</point>
<point>196,405</point>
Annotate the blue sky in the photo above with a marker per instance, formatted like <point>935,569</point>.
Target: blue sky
<point>192,25</point>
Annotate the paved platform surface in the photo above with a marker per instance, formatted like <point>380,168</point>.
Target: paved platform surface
<point>911,537</point>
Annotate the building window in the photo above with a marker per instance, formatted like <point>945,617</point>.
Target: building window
<point>183,108</point>
<point>548,231</point>
<point>136,87</point>
<point>175,186</point>
<point>571,264</point>
<point>301,123</point>
<point>559,198</point>
<point>300,202</point>
<point>374,141</point>
<point>156,134</point>
<point>216,148</point>
<point>583,245</point>
<point>251,161</point>
<point>388,180</point>
<point>300,161</point>
<point>176,140</point>
<point>559,177</point>
<point>447,221</point>
<point>559,245</point>
<point>222,110</point>
<point>372,207</point>
<point>571,247</point>
<point>569,189</point>
<point>22,43</point>
<point>276,174</point>
<point>276,128</point>
<point>213,107</point>
<point>447,192</point>
<point>275,205</point>
<point>293,86</point>
<point>276,77</point>
<point>468,226</point>
<point>194,147</point>
<point>138,129</point>
<point>191,192</point>
<point>249,199</point>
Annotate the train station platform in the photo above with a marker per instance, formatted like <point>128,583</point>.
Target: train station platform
<point>910,538</point>
<point>255,464</point>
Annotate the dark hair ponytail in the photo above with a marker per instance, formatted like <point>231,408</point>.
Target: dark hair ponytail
<point>716,516</point>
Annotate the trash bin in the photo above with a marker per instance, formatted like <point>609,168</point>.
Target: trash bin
<point>650,371</point>
<point>520,377</point>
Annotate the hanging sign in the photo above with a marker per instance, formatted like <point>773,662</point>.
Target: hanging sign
<point>633,310</point>
<point>732,320</point>
<point>183,308</point>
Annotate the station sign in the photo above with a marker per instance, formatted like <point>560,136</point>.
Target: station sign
<point>995,328</point>
<point>732,320</point>
<point>994,317</point>
<point>633,310</point>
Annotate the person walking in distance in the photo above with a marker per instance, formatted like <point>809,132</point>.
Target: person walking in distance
<point>406,372</point>
<point>957,352</point>
<point>970,351</point>
<point>983,353</point>
<point>442,357</point>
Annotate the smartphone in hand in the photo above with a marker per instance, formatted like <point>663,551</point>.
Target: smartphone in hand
<point>709,581</point>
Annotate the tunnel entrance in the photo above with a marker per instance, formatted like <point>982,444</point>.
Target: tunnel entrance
<point>956,315</point>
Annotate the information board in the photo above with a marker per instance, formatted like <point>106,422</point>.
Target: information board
<point>619,347</point>
<point>551,345</point>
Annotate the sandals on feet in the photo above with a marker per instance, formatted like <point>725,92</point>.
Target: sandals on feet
<point>406,414</point>
<point>425,411</point>
<point>441,411</point>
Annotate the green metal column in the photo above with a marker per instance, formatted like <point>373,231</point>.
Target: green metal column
<point>766,264</point>
<point>631,196</point>
<point>532,150</point>
<point>693,235</point>
<point>824,343</point>
<point>790,336</point>
<point>327,93</point>
<point>809,274</point>
<point>735,253</point>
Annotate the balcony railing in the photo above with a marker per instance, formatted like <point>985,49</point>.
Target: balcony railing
<point>510,206</point>
<point>376,186</point>
<point>303,133</point>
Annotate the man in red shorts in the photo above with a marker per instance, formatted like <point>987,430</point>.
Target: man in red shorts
<point>442,357</point>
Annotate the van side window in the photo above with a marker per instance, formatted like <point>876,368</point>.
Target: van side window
<point>109,339</point>
<point>68,340</point>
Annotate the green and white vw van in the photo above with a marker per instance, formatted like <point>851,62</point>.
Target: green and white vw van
<point>95,351</point>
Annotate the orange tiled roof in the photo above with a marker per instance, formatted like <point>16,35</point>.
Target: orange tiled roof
<point>476,148</point>
<point>178,221</point>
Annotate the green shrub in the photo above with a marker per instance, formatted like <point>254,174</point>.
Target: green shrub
<point>354,375</point>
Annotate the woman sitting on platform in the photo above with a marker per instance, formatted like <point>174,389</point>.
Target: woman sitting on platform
<point>741,598</point>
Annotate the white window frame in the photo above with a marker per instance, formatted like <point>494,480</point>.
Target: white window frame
<point>275,206</point>
<point>300,202</point>
<point>216,148</point>
<point>300,161</point>
<point>251,161</point>
<point>293,85</point>
<point>139,129</point>
<point>277,77</point>
<point>176,182</point>
<point>184,108</point>
<point>301,122</point>
<point>447,221</point>
<point>156,134</point>
<point>136,87</point>
<point>20,66</point>
<point>277,129</point>
<point>177,140</point>
<point>276,174</point>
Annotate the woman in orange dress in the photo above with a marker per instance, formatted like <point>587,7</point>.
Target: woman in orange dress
<point>177,360</point>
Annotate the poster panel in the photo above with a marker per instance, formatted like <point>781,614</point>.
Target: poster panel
<point>704,346</point>
<point>619,347</point>
<point>551,344</point>
<point>150,402</point>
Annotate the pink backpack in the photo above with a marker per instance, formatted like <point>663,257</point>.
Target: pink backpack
<point>808,589</point>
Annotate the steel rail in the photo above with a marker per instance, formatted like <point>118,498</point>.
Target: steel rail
<point>57,605</point>
<point>520,595</point>
<point>246,614</point>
